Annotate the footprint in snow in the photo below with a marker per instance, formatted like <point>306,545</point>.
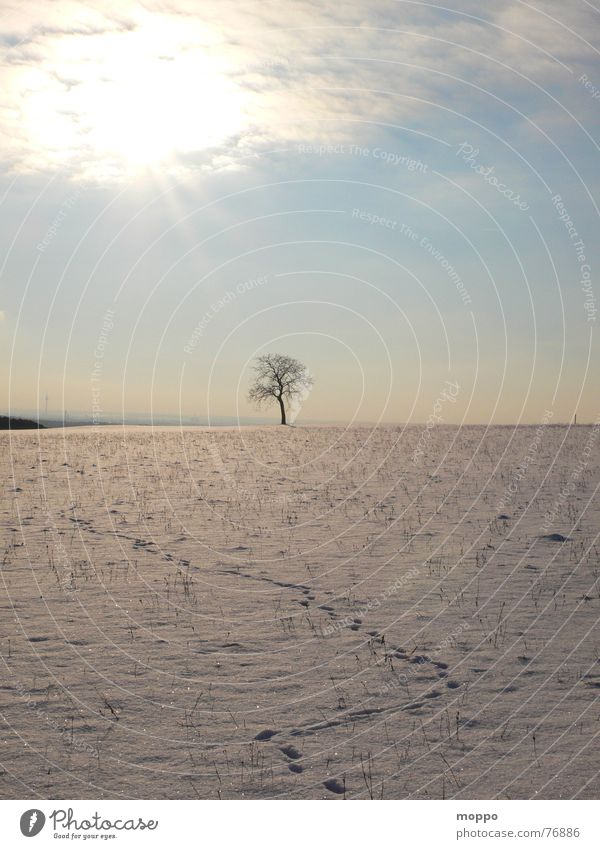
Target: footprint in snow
<point>266,734</point>
<point>291,752</point>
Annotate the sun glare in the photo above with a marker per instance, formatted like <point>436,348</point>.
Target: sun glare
<point>143,98</point>
<point>158,108</point>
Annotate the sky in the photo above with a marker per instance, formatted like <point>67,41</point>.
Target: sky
<point>402,195</point>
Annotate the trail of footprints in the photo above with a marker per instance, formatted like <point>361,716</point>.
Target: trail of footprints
<point>438,669</point>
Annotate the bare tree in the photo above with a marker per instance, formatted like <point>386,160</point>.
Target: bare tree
<point>279,378</point>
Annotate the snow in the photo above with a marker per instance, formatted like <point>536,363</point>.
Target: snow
<point>300,613</point>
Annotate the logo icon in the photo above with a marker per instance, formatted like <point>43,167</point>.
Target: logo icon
<point>32,822</point>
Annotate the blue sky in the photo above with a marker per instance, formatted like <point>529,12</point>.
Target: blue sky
<point>372,190</point>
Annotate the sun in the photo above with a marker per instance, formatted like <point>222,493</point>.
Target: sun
<point>138,100</point>
<point>156,109</point>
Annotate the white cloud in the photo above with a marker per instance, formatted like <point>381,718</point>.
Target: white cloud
<point>179,82</point>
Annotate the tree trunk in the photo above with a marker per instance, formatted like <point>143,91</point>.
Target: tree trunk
<point>282,408</point>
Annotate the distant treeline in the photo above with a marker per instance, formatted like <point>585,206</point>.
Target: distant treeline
<point>8,423</point>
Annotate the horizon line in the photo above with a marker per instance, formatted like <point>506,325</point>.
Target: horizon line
<point>80,419</point>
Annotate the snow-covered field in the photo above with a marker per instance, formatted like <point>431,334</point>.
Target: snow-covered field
<point>300,613</point>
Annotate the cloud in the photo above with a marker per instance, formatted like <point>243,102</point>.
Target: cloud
<point>177,83</point>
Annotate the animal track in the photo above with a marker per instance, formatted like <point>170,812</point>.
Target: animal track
<point>266,734</point>
<point>434,694</point>
<point>555,538</point>
<point>291,752</point>
<point>334,786</point>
